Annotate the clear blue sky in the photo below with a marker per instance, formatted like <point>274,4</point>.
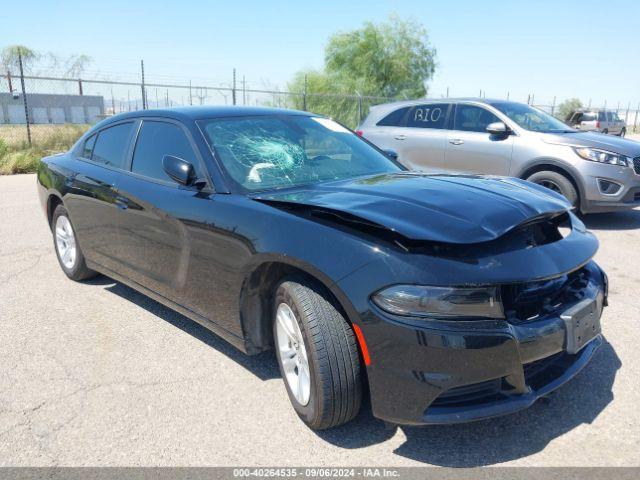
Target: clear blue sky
<point>557,48</point>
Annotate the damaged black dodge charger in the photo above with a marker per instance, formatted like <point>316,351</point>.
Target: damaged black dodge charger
<point>446,298</point>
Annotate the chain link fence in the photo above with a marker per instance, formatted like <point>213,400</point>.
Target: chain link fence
<point>50,113</point>
<point>46,114</point>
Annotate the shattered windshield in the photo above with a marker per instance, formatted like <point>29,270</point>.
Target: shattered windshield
<point>276,151</point>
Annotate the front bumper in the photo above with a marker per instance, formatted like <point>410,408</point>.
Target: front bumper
<point>623,181</point>
<point>430,373</point>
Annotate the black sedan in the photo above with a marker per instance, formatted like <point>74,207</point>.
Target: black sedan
<point>446,298</point>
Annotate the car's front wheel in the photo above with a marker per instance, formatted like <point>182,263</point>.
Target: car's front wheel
<point>317,354</point>
<point>67,249</point>
<point>558,183</point>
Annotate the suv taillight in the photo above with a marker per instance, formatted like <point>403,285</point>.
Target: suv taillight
<point>597,124</point>
<point>359,133</point>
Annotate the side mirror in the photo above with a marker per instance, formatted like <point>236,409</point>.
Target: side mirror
<point>392,154</point>
<point>497,128</point>
<point>179,170</point>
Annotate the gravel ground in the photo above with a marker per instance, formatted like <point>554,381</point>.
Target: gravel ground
<point>97,374</point>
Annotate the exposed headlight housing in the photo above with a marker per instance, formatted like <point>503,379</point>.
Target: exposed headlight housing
<point>440,302</point>
<point>602,156</point>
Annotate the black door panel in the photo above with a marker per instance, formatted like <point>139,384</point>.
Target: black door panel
<point>93,211</point>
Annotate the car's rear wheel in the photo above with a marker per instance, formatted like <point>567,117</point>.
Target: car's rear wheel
<point>317,354</point>
<point>558,183</point>
<point>67,248</point>
<point>605,131</point>
<point>623,132</point>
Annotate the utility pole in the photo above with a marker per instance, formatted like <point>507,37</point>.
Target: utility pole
<point>233,90</point>
<point>144,94</point>
<point>24,98</point>
<point>304,94</point>
<point>244,91</point>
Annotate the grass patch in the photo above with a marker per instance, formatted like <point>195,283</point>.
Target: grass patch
<point>16,156</point>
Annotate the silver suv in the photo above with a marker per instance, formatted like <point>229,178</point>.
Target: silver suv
<point>596,172</point>
<point>604,121</point>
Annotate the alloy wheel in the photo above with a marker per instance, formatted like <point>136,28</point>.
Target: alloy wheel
<point>66,242</point>
<point>293,354</point>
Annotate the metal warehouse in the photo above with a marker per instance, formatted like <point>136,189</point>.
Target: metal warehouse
<point>51,108</point>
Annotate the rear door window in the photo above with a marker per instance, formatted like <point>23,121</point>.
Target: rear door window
<point>395,119</point>
<point>87,148</point>
<point>155,140</point>
<point>471,118</point>
<point>112,145</point>
<point>433,115</point>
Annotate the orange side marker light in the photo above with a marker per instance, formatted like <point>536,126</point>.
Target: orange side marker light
<point>363,345</point>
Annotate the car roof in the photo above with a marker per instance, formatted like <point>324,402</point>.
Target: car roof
<point>376,112</point>
<point>205,112</point>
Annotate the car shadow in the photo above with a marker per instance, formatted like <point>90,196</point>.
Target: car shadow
<point>263,365</point>
<point>501,439</point>
<point>627,220</point>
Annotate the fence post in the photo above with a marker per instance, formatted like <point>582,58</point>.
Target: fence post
<point>359,107</point>
<point>144,95</point>
<point>24,98</point>
<point>553,107</point>
<point>626,114</point>
<point>9,80</point>
<point>233,90</point>
<point>80,87</point>
<point>304,94</point>
<point>635,120</point>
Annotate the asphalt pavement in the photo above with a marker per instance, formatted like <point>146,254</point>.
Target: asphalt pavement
<point>97,374</point>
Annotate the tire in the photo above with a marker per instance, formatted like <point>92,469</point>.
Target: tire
<point>557,182</point>
<point>329,344</point>
<point>623,133</point>
<point>605,131</point>
<point>64,238</point>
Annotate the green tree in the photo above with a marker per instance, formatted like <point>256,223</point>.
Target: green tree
<point>10,55</point>
<point>567,107</point>
<point>392,59</point>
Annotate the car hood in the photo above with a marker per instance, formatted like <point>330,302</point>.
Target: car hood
<point>460,209</point>
<point>614,144</point>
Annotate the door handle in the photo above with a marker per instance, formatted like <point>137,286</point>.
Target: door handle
<point>456,141</point>
<point>400,137</point>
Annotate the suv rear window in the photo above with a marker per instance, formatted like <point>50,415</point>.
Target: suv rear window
<point>394,119</point>
<point>112,144</point>
<point>432,115</point>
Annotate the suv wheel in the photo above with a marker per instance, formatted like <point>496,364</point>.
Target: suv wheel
<point>317,354</point>
<point>605,131</point>
<point>623,132</point>
<point>67,248</point>
<point>558,183</point>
